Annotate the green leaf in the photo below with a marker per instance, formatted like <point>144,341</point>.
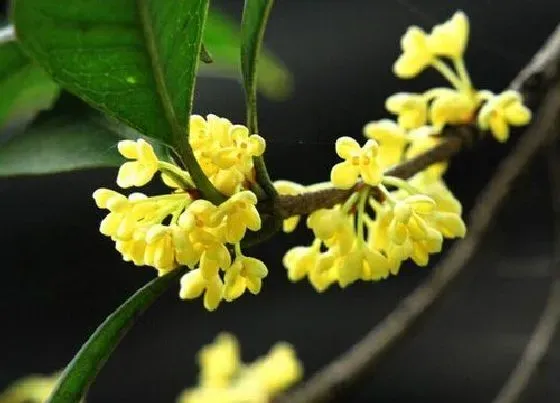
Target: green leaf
<point>133,59</point>
<point>222,38</point>
<point>59,144</point>
<point>68,137</point>
<point>25,88</point>
<point>253,24</point>
<point>86,364</point>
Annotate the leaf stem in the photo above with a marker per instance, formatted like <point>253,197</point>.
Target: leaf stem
<point>253,25</point>
<point>86,364</point>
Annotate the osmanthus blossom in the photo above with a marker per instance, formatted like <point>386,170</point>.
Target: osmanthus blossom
<point>179,229</point>
<point>224,378</point>
<point>384,220</point>
<point>388,220</point>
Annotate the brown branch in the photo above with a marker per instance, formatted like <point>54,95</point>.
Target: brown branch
<point>356,363</point>
<point>531,82</point>
<point>539,343</point>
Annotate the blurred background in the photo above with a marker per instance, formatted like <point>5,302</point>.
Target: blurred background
<point>61,277</point>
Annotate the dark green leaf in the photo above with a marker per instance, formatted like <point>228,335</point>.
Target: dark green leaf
<point>134,59</point>
<point>84,367</point>
<point>68,137</point>
<point>24,87</point>
<point>253,24</point>
<point>59,144</point>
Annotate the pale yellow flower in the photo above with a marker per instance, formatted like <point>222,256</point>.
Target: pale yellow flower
<point>412,109</point>
<point>450,38</point>
<point>325,272</point>
<point>333,227</point>
<point>502,111</point>
<point>359,162</point>
<point>243,147</point>
<point>140,171</point>
<point>244,273</point>
<point>224,379</point>
<point>277,370</point>
<point>194,283</point>
<point>391,139</point>
<point>416,53</point>
<point>451,107</point>
<point>225,151</point>
<point>219,361</point>
<point>301,260</point>
<point>361,263</point>
<point>238,213</point>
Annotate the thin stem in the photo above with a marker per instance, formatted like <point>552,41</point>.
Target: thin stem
<point>448,74</point>
<point>361,207</point>
<point>464,76</point>
<point>237,248</point>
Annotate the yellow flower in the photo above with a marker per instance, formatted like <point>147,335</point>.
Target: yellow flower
<point>243,147</point>
<point>225,151</point>
<point>416,53</point>
<point>238,213</point>
<point>31,389</point>
<point>140,171</point>
<point>325,272</point>
<point>409,221</point>
<point>447,214</point>
<point>224,379</point>
<point>289,188</point>
<point>193,284</point>
<point>450,38</point>
<point>245,272</point>
<point>278,370</point>
<point>412,109</point>
<point>421,140</point>
<point>451,107</point>
<point>219,361</point>
<point>301,260</point>
<point>359,161</point>
<point>160,249</point>
<point>333,227</point>
<point>391,139</point>
<point>361,263</point>
<point>199,220</point>
<point>502,111</point>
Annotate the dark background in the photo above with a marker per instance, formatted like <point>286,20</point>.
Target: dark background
<point>61,277</point>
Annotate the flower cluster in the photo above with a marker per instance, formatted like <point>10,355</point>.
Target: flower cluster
<point>177,228</point>
<point>373,232</point>
<point>388,220</point>
<point>225,152</point>
<point>463,104</point>
<point>224,378</point>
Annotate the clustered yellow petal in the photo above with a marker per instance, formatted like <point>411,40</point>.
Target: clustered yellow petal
<point>365,239</point>
<point>178,229</point>
<point>358,162</point>
<point>225,151</point>
<point>224,378</point>
<point>502,111</point>
<point>443,49</point>
<point>420,50</point>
